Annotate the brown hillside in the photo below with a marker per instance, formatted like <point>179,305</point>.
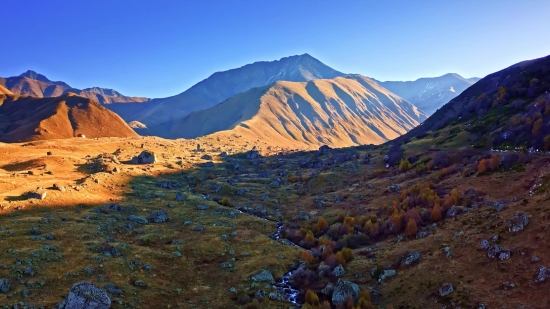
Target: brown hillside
<point>27,118</point>
<point>339,112</point>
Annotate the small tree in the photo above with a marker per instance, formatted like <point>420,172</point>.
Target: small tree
<point>436,213</point>
<point>412,229</point>
<point>405,165</point>
<point>311,298</point>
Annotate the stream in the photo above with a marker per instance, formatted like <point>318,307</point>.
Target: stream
<point>283,284</point>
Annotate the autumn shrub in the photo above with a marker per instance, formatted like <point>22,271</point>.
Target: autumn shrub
<point>225,201</point>
<point>308,258</point>
<point>347,253</point>
<point>405,165</point>
<point>420,168</point>
<point>311,298</point>
<point>436,213</point>
<point>412,229</point>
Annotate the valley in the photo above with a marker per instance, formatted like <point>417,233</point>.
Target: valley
<point>282,184</point>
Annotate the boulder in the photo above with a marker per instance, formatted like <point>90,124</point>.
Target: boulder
<point>263,276</point>
<point>343,290</point>
<point>145,157</point>
<point>85,295</point>
<point>38,194</point>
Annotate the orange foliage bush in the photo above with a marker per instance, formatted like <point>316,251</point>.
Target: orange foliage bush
<point>412,229</point>
<point>436,213</point>
<point>308,258</point>
<point>311,298</point>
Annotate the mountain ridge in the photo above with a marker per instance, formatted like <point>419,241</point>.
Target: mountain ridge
<point>344,111</point>
<point>222,85</point>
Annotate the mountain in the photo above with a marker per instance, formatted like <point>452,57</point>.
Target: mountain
<point>343,111</point>
<point>429,94</point>
<point>33,84</point>
<point>221,86</point>
<point>25,118</point>
<point>506,109</point>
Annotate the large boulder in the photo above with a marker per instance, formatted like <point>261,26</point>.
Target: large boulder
<point>343,290</point>
<point>263,276</point>
<point>85,295</point>
<point>145,157</point>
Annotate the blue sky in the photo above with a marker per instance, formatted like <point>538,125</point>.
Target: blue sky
<point>161,48</point>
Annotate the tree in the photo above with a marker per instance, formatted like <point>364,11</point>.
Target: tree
<point>412,229</point>
<point>436,213</point>
<point>311,298</point>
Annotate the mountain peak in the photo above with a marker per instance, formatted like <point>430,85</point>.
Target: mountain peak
<point>33,75</point>
<point>39,77</point>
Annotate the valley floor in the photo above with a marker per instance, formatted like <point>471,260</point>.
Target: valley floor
<point>204,238</point>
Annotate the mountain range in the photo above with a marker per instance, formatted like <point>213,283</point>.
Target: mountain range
<point>429,94</point>
<point>343,111</point>
<point>296,100</point>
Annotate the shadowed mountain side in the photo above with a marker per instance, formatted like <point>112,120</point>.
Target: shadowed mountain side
<point>338,112</point>
<point>27,119</point>
<point>500,104</point>
<point>221,86</point>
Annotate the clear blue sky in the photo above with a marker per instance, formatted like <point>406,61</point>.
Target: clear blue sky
<point>160,48</point>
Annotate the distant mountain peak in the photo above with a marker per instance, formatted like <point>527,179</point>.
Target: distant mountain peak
<point>36,76</point>
<point>39,77</point>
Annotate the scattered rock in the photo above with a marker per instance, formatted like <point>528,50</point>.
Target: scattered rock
<point>206,157</point>
<point>542,274</point>
<point>59,187</point>
<point>180,197</point>
<point>339,271</point>
<point>263,276</point>
<point>158,217</point>
<point>394,188</point>
<point>4,286</point>
<point>446,289</point>
<point>85,295</point>
<point>518,222</point>
<point>412,258</point>
<point>484,244</point>
<point>137,219</point>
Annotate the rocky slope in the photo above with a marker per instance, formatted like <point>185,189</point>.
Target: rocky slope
<point>223,85</point>
<point>429,94</point>
<point>25,118</point>
<point>343,111</point>
<point>509,108</point>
